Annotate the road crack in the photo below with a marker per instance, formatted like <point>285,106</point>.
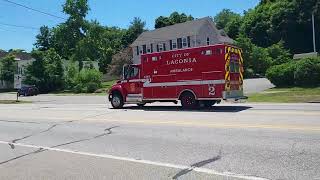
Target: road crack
<point>197,165</point>
<point>52,127</point>
<point>107,131</point>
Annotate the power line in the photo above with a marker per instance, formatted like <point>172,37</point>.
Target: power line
<point>19,26</point>
<point>30,8</point>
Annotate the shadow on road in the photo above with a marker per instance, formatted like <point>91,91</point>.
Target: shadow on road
<point>232,109</point>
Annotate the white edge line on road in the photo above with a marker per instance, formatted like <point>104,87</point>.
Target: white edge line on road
<point>196,169</point>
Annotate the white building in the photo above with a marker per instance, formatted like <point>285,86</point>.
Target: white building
<point>199,32</point>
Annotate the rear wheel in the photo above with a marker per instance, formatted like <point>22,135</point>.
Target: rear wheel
<point>188,101</point>
<point>141,104</point>
<point>117,101</point>
<point>208,104</point>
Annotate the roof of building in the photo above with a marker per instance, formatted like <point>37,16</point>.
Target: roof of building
<point>18,55</point>
<point>188,28</point>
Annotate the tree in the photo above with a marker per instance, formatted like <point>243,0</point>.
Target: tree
<point>67,35</point>
<point>76,9</point>
<point>35,72</point>
<point>174,18</point>
<point>46,72</point>
<point>99,44</point>
<point>279,54</point>
<point>233,27</point>
<point>119,60</point>
<point>54,70</point>
<point>259,59</point>
<point>7,68</point>
<point>162,22</point>
<point>290,21</point>
<point>135,29</point>
<point>224,17</point>
<point>43,39</point>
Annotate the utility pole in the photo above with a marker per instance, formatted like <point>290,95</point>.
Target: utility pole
<point>314,34</point>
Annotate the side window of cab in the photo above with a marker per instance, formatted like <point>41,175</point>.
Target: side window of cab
<point>133,72</point>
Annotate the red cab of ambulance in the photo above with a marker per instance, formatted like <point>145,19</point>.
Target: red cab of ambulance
<point>197,77</point>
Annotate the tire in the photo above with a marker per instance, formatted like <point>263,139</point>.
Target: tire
<point>208,104</point>
<point>117,101</point>
<point>188,101</point>
<point>140,105</point>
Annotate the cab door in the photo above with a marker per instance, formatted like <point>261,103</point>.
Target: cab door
<point>133,83</point>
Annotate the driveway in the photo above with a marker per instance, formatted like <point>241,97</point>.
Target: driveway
<point>252,86</point>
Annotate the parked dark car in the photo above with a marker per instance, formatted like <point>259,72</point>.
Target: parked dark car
<point>28,91</point>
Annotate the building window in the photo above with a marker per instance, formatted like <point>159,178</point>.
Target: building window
<point>170,44</point>
<point>151,46</point>
<point>144,49</point>
<point>179,43</point>
<point>164,47</point>
<point>208,41</point>
<point>137,49</point>
<point>174,44</point>
<point>189,41</point>
<point>184,42</point>
<point>160,47</point>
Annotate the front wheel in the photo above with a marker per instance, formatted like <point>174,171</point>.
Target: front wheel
<point>188,101</point>
<point>117,101</point>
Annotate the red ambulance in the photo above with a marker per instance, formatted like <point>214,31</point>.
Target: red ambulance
<point>198,77</point>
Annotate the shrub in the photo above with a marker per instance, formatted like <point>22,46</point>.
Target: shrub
<point>87,81</point>
<point>302,73</point>
<point>248,73</point>
<point>307,72</point>
<point>282,75</point>
<point>92,87</point>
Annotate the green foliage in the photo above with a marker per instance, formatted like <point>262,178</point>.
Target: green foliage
<point>54,70</point>
<point>135,29</point>
<point>232,28</point>
<point>71,73</point>
<point>46,72</point>
<point>35,72</point>
<point>282,75</point>
<point>7,68</point>
<point>249,73</point>
<point>287,20</point>
<point>259,59</point>
<point>99,45</point>
<point>302,73</point>
<point>224,17</point>
<point>43,40</point>
<point>87,81</point>
<point>307,72</point>
<point>76,9</point>
<point>279,54</point>
<point>174,18</point>
<point>66,36</point>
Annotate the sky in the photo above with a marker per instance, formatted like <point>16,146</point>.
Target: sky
<point>108,12</point>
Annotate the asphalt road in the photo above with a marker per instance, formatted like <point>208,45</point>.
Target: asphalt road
<point>162,141</point>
